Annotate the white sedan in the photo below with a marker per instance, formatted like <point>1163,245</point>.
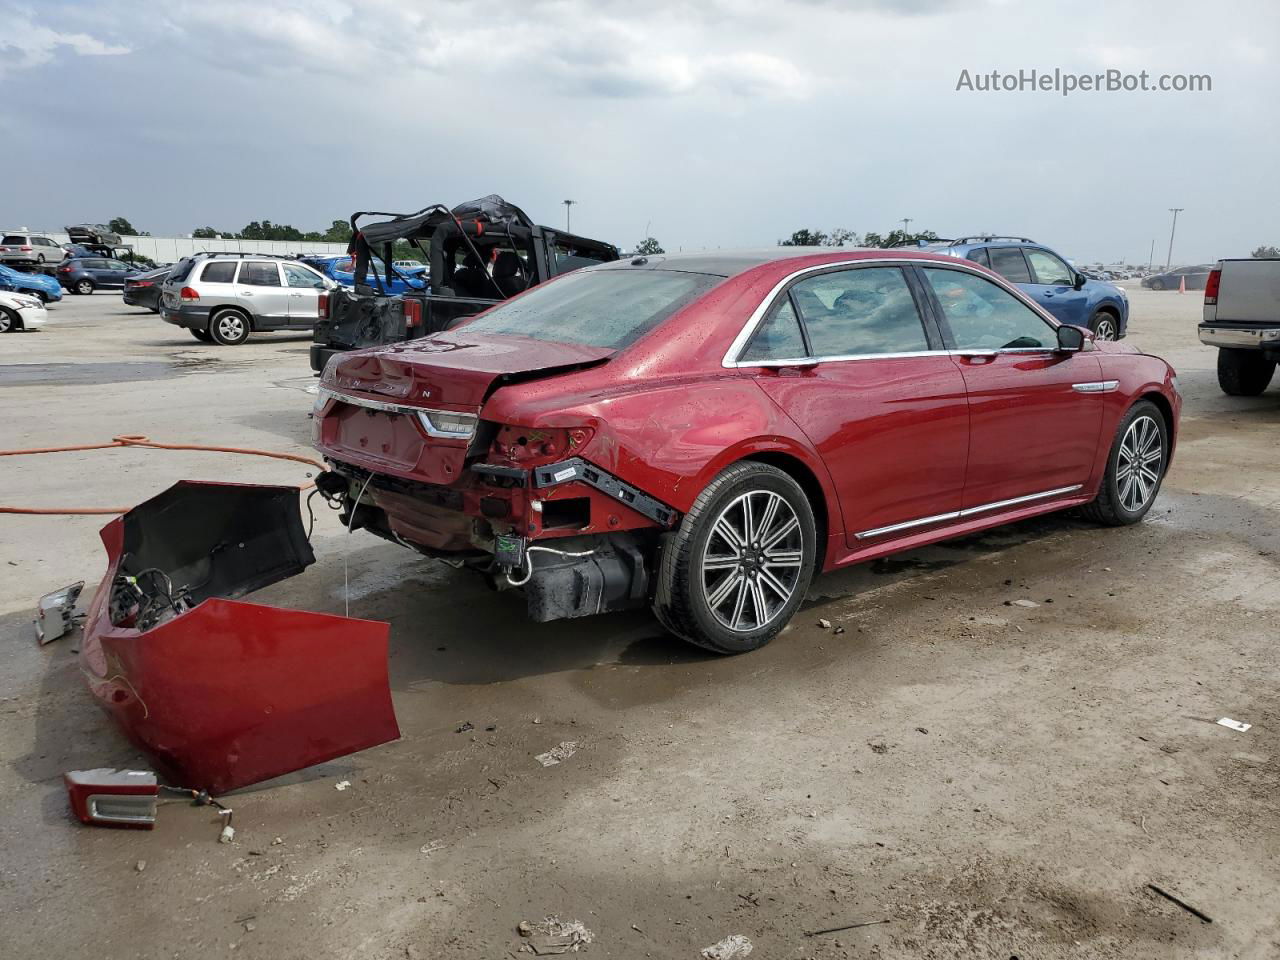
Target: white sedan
<point>20,311</point>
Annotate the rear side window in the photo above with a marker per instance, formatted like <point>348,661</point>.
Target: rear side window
<point>979,255</point>
<point>256,273</point>
<point>778,338</point>
<point>854,312</point>
<point>1008,262</point>
<point>219,271</point>
<point>598,308</point>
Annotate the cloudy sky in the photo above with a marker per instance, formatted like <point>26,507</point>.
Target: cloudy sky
<point>721,123</point>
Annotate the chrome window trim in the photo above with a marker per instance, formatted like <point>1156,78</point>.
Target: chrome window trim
<point>731,359</point>
<point>966,512</point>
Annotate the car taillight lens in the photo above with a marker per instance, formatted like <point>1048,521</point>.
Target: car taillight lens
<point>412,313</point>
<point>1211,286</point>
<point>65,269</point>
<point>526,445</point>
<point>26,249</point>
<point>446,423</point>
<point>188,294</point>
<point>140,283</point>
<point>322,306</point>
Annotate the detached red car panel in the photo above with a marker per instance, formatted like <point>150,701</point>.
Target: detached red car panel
<point>224,693</point>
<point>702,433</point>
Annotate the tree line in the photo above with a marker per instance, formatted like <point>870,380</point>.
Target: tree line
<point>339,231</point>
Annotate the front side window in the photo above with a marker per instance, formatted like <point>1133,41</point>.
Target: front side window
<point>778,338</point>
<point>1048,269</point>
<point>1008,262</point>
<point>854,312</point>
<point>982,316</point>
<point>598,308</point>
<point>297,276</point>
<point>219,271</point>
<point>256,273</point>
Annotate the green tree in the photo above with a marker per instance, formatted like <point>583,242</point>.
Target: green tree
<point>204,233</point>
<point>896,238</point>
<point>1266,252</point>
<point>339,232</point>
<point>805,238</point>
<point>649,246</point>
<point>122,226</point>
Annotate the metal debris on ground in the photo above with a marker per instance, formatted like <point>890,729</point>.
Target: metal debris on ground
<point>730,947</point>
<point>1021,603</point>
<point>847,926</point>
<point>465,727</point>
<point>559,753</point>
<point>1182,903</point>
<point>1234,724</point>
<point>553,935</point>
<point>56,612</point>
<point>342,784</point>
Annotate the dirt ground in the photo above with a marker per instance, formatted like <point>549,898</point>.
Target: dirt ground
<point>995,781</point>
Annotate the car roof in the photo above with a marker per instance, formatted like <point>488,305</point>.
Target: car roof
<point>731,263</point>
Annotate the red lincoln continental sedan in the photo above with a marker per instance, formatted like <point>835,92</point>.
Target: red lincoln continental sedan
<point>701,433</point>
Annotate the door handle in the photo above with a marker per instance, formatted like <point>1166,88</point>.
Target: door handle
<point>977,354</point>
<point>246,293</point>
<point>295,295</point>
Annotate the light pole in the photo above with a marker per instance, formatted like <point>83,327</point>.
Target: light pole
<point>1169,260</point>
<point>906,227</point>
<point>1151,257</point>
<point>567,205</point>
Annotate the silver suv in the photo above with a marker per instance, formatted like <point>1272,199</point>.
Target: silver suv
<point>29,248</point>
<point>223,297</point>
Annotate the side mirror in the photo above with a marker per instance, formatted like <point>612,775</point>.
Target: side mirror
<point>1080,280</point>
<point>1070,338</point>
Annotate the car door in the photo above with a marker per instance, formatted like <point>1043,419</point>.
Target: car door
<point>305,287</point>
<point>1034,412</point>
<point>847,355</point>
<point>258,285</point>
<point>114,273</point>
<point>1053,287</point>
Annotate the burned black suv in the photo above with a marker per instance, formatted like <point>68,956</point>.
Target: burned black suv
<point>480,253</point>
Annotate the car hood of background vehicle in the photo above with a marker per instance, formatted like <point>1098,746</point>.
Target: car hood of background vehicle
<point>454,368</point>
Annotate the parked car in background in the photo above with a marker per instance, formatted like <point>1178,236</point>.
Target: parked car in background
<point>39,284</point>
<point>342,270</point>
<point>411,268</point>
<point>1196,277</point>
<point>29,248</point>
<point>143,289</point>
<point>223,297</point>
<point>1046,276</point>
<point>86,274</point>
<point>18,311</point>
<point>1242,319</point>
<point>702,433</point>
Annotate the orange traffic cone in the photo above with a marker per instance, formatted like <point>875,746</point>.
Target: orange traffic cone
<point>1182,284</point>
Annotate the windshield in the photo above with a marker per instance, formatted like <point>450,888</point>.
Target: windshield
<point>596,308</point>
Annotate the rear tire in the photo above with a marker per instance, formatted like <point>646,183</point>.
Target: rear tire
<point>229,327</point>
<point>84,287</point>
<point>1135,468</point>
<point>9,320</point>
<point>737,568</point>
<point>1244,373</point>
<point>204,336</point>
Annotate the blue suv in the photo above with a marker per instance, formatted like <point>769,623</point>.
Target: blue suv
<point>342,269</point>
<point>1047,278</point>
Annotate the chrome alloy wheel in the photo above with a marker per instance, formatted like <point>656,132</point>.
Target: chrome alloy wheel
<point>752,559</point>
<point>1106,329</point>
<point>230,326</point>
<point>1140,464</point>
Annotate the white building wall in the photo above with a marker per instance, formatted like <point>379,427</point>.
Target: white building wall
<point>171,249</point>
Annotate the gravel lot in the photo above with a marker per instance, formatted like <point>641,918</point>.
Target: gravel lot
<point>996,781</point>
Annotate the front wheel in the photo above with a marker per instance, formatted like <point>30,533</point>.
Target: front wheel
<point>9,320</point>
<point>1157,284</point>
<point>1135,467</point>
<point>1104,326</point>
<point>1244,373</point>
<point>737,568</point>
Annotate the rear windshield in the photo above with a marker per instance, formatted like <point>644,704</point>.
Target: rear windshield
<point>181,269</point>
<point>597,308</point>
<point>14,238</point>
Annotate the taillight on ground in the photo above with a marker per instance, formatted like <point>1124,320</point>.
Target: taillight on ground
<point>1211,286</point>
<point>189,294</point>
<point>113,798</point>
<point>322,306</point>
<point>412,313</point>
